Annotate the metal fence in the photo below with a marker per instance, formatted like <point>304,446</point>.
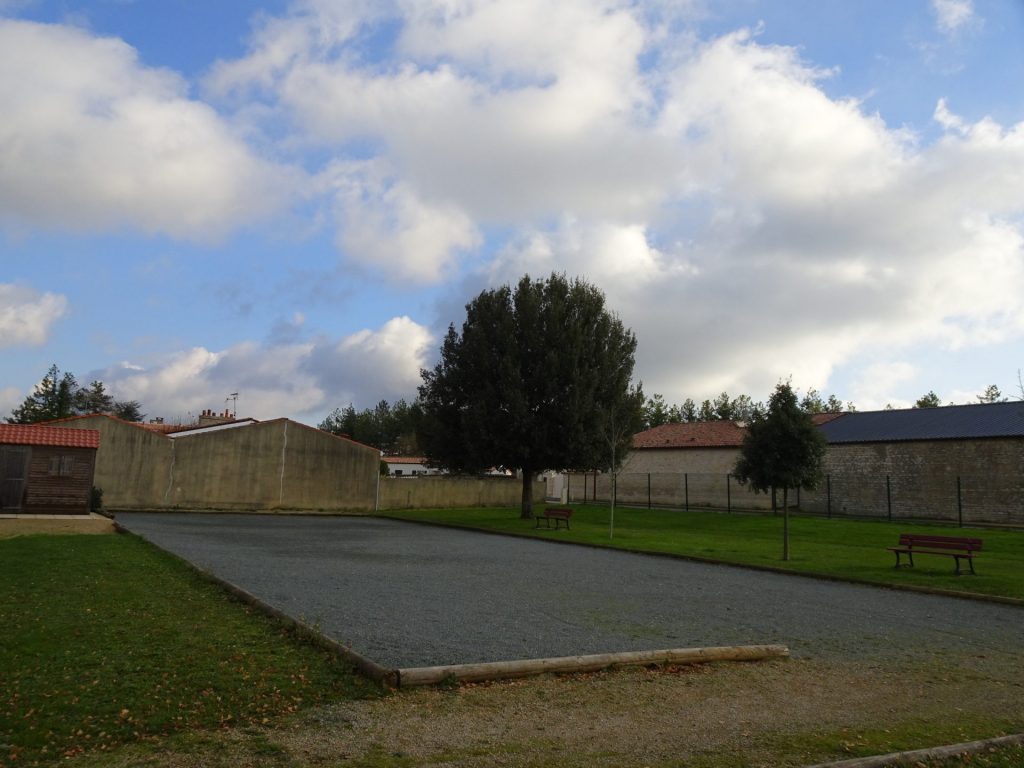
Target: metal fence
<point>959,500</point>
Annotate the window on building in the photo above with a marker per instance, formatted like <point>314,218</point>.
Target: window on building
<point>61,466</point>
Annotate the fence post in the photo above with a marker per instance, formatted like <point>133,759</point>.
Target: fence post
<point>686,491</point>
<point>959,504</point>
<point>798,497</point>
<point>828,491</point>
<point>648,490</point>
<point>595,486</point>
<point>728,495</point>
<point>888,496</point>
<point>584,487</point>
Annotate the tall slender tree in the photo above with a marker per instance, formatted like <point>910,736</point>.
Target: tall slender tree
<point>525,384</point>
<point>782,448</point>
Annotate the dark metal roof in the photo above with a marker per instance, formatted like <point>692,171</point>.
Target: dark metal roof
<point>949,422</point>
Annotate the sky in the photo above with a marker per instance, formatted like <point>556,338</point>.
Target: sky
<point>293,200</point>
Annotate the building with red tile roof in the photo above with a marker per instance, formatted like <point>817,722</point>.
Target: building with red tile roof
<point>46,470</point>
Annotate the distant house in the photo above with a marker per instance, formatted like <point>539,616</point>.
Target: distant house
<point>409,466</point>
<point>46,470</point>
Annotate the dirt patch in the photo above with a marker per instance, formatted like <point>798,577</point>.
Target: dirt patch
<point>23,526</point>
<point>764,714</point>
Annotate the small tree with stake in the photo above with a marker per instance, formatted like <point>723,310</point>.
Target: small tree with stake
<point>781,449</point>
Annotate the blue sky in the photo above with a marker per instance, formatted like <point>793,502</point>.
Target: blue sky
<point>292,200</point>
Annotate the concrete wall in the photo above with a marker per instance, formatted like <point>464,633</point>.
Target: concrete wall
<point>668,489</point>
<point>448,492</point>
<point>132,464</point>
<point>275,465</point>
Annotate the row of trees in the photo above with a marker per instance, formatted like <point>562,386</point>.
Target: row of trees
<point>58,396</point>
<point>657,411</point>
<point>392,428</point>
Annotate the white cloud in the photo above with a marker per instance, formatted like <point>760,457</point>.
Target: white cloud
<point>26,316</point>
<point>92,139</point>
<point>384,223</point>
<point>952,15</point>
<point>872,389</point>
<point>371,365</point>
<point>10,398</point>
<point>287,379</point>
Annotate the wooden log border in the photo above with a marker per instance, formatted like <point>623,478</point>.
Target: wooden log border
<point>498,670</point>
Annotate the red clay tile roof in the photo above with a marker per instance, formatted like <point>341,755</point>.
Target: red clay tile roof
<point>405,460</point>
<point>705,434</point>
<point>61,437</point>
<point>695,434</point>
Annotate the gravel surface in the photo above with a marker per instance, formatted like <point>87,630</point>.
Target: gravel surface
<point>413,595</point>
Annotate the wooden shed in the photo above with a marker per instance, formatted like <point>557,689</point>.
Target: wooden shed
<point>46,470</point>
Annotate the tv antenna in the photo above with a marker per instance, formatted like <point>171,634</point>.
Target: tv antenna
<point>233,399</point>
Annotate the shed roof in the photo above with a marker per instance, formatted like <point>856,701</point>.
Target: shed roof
<point>705,434</point>
<point>694,434</point>
<point>60,437</point>
<point>950,422</point>
<point>404,459</point>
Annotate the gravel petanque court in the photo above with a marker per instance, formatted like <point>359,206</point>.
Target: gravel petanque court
<point>406,595</point>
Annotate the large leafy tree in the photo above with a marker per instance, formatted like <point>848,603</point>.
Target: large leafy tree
<point>783,449</point>
<point>538,379</point>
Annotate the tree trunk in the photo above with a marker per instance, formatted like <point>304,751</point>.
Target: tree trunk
<point>785,523</point>
<point>526,512</point>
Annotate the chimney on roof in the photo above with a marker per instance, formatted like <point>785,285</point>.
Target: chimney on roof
<point>209,418</point>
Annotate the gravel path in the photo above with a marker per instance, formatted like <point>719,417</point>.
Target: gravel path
<point>412,595</point>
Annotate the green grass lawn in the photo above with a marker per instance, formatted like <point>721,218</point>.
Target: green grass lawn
<point>106,640</point>
<point>848,549</point>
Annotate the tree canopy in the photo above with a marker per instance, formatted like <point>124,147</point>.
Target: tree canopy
<point>782,448</point>
<point>58,396</point>
<point>539,378</point>
<point>392,428</point>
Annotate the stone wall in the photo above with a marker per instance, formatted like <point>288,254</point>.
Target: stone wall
<point>918,479</point>
<point>902,480</point>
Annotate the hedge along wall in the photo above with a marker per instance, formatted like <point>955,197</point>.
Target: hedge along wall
<point>445,492</point>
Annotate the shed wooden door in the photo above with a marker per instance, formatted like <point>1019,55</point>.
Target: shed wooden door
<point>13,475</point>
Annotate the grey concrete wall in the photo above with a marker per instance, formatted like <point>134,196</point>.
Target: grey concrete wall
<point>274,465</point>
<point>132,464</point>
<point>445,492</point>
<point>669,489</point>
<point>278,465</point>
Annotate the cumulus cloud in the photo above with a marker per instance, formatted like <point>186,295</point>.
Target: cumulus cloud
<point>280,379</point>
<point>483,113</point>
<point>26,316</point>
<point>92,139</point>
<point>371,365</point>
<point>385,223</point>
<point>952,15</point>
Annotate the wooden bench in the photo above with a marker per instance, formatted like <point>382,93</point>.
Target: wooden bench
<point>957,547</point>
<point>558,514</point>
